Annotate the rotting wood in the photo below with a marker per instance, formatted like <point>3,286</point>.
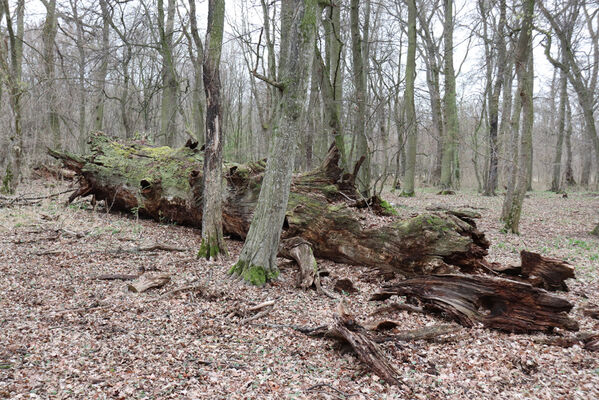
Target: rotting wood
<point>591,310</point>
<point>166,184</point>
<point>397,307</point>
<point>588,340</point>
<point>493,302</point>
<point>344,285</point>
<point>551,272</point>
<point>540,271</point>
<point>146,282</point>
<point>300,251</point>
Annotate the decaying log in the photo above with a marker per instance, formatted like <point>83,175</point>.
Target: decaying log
<point>551,272</point>
<point>344,285</point>
<point>588,340</point>
<point>147,281</point>
<point>346,328</point>
<point>166,184</point>
<point>539,271</point>
<point>300,251</point>
<point>591,310</point>
<point>397,307</point>
<point>493,302</point>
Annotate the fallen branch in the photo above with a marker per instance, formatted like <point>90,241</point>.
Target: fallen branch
<point>397,307</point>
<point>493,302</point>
<point>116,277</point>
<point>146,282</point>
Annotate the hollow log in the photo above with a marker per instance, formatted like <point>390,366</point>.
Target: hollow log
<point>166,184</point>
<point>493,302</point>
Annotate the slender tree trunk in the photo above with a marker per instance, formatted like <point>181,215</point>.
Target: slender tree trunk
<point>103,70</point>
<point>11,76</point>
<point>408,187</point>
<point>257,261</point>
<point>212,220</point>
<point>491,181</point>
<point>359,60</point>
<point>198,91</point>
<point>48,37</point>
<point>569,173</point>
<point>79,42</point>
<point>524,70</point>
<point>451,110</point>
<point>561,123</point>
<point>169,106</point>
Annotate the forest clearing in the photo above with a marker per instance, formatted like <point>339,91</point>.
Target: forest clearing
<point>66,333</point>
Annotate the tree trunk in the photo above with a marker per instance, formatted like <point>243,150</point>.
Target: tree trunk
<point>103,71</point>
<point>49,36</point>
<point>257,261</point>
<point>412,131</point>
<point>491,181</point>
<point>198,92</point>
<point>561,124</point>
<point>524,70</point>
<point>11,76</point>
<point>569,173</point>
<point>449,100</point>
<point>212,221</point>
<point>168,108</point>
<point>359,63</point>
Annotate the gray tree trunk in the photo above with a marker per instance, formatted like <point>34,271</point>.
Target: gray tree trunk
<point>212,220</point>
<point>450,106</point>
<point>48,37</point>
<point>561,124</point>
<point>10,75</point>
<point>257,261</point>
<point>412,131</point>
<point>525,73</point>
<point>169,106</point>
<point>359,64</point>
<point>103,70</point>
<point>491,181</point>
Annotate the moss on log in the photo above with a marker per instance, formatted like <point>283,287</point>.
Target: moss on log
<point>166,184</point>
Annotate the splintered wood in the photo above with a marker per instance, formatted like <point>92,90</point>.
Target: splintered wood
<point>493,302</point>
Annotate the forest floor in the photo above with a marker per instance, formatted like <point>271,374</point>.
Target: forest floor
<point>64,334</point>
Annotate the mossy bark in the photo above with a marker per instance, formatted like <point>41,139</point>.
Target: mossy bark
<point>166,184</point>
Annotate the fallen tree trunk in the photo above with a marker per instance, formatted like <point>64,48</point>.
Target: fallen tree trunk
<point>493,302</point>
<point>166,184</point>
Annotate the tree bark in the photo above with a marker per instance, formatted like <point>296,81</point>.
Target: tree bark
<point>494,302</point>
<point>49,36</point>
<point>561,124</point>
<point>257,261</point>
<point>412,129</point>
<point>168,108</point>
<point>103,71</point>
<point>359,64</point>
<point>524,70</point>
<point>449,103</point>
<point>491,181</point>
<point>212,222</point>
<point>11,76</point>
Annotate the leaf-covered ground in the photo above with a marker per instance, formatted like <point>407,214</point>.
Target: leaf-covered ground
<point>64,334</point>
